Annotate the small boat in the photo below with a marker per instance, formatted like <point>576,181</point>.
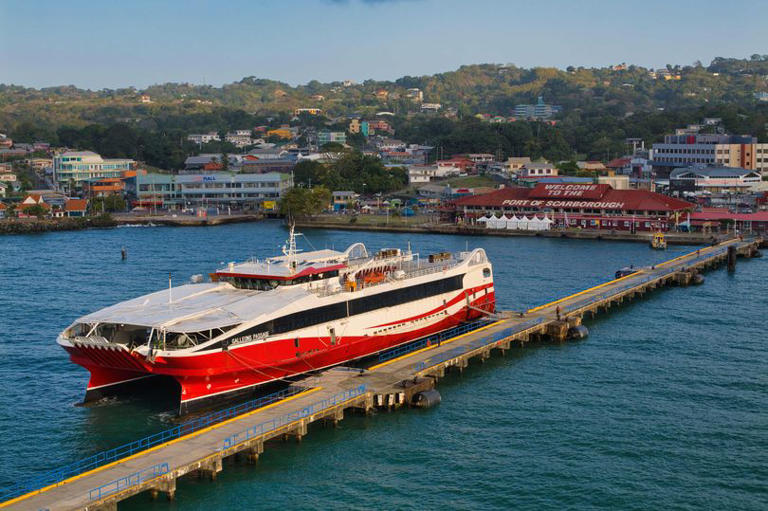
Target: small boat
<point>658,241</point>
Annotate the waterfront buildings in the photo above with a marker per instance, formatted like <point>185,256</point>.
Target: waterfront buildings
<point>341,199</point>
<point>105,186</point>
<point>77,166</point>
<point>215,189</point>
<point>75,207</point>
<point>587,206</point>
<point>714,179</point>
<point>688,146</point>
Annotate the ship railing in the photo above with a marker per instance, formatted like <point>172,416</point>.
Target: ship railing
<point>122,483</point>
<point>408,274</point>
<point>276,423</point>
<point>102,458</point>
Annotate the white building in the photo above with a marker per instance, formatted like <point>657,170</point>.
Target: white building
<point>78,166</point>
<point>221,188</point>
<point>239,138</point>
<point>538,170</point>
<point>204,138</point>
<point>431,107</point>
<point>713,179</point>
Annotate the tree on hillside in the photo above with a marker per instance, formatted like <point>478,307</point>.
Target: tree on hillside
<point>333,147</point>
<point>302,202</point>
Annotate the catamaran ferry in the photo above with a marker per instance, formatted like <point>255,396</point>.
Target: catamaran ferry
<point>261,321</point>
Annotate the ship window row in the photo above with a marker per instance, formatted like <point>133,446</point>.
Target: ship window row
<point>341,310</point>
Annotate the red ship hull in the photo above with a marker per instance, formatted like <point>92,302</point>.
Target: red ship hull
<point>220,374</point>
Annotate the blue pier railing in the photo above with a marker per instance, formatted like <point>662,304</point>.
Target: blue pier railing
<point>278,422</point>
<point>102,458</point>
<point>457,351</point>
<point>432,339</point>
<point>118,485</point>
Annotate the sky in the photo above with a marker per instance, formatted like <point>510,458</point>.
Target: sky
<point>109,43</point>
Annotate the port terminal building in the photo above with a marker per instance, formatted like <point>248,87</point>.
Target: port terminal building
<point>586,206</point>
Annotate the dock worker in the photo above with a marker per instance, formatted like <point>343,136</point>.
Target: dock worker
<point>557,312</point>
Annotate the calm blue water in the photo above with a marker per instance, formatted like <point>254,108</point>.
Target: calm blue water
<point>664,406</point>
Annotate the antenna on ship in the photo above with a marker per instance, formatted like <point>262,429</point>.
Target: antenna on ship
<point>290,252</point>
<point>170,288</point>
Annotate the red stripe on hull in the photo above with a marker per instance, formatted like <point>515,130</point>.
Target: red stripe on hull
<point>228,371</point>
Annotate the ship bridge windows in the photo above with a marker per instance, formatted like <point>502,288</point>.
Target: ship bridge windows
<point>134,336</point>
<point>266,284</point>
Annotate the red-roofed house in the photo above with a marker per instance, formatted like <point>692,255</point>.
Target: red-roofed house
<point>31,201</point>
<point>76,207</point>
<point>593,206</point>
<point>456,164</point>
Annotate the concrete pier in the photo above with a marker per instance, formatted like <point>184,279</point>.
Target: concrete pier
<point>387,385</point>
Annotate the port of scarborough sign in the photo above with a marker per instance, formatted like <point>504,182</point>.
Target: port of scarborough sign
<point>566,196</point>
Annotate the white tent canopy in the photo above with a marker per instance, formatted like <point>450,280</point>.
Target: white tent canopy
<point>536,224</point>
<point>513,223</point>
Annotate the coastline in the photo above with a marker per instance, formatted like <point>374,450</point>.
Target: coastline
<point>185,220</point>
<point>36,225</point>
<point>674,238</point>
<point>30,226</point>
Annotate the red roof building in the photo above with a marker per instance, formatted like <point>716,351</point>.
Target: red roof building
<point>30,201</point>
<point>76,207</point>
<point>718,219</point>
<point>459,163</point>
<point>582,205</point>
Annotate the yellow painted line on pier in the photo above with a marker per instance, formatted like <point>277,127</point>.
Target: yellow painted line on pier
<point>699,251</point>
<point>535,309</point>
<point>433,346</point>
<point>147,451</point>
